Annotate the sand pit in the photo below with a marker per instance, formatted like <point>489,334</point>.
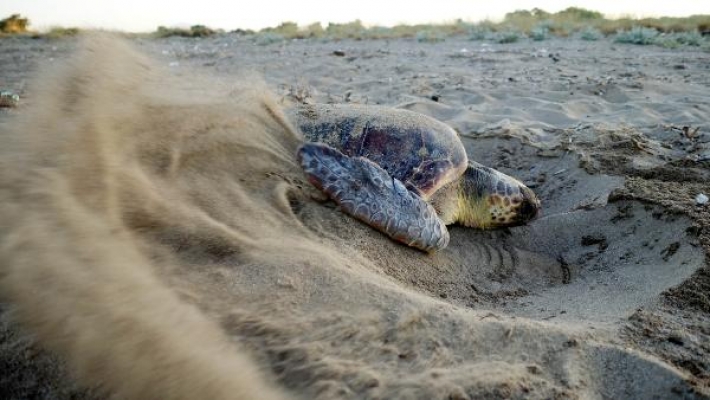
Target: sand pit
<point>162,241</point>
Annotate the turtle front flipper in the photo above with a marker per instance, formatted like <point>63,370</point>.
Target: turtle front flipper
<point>367,192</point>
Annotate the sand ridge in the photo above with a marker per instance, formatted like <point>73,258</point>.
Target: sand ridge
<point>181,251</point>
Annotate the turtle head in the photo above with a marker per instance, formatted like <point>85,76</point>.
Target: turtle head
<point>490,199</point>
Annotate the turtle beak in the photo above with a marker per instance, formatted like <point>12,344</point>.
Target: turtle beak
<point>530,208</point>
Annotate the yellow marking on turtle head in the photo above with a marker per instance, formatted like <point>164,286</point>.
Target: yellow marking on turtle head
<point>488,199</point>
<point>489,212</point>
<point>473,212</point>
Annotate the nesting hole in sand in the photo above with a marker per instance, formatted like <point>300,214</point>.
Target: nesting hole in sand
<point>585,259</point>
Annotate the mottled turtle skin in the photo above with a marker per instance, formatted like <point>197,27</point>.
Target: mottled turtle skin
<point>404,173</point>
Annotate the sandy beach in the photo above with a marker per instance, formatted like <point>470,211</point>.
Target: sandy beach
<point>161,241</point>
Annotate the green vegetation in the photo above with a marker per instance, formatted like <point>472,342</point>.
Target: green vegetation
<point>430,36</point>
<point>643,36</point>
<point>195,31</point>
<point>350,30</point>
<point>561,23</point>
<point>479,33</point>
<point>510,36</point>
<point>693,38</point>
<point>590,34</point>
<point>637,35</point>
<point>14,24</point>
<point>540,32</point>
<point>268,38</point>
<point>535,24</point>
<point>664,24</point>
<point>358,31</point>
<point>59,33</point>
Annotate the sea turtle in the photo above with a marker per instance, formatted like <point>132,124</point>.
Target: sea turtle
<point>404,173</point>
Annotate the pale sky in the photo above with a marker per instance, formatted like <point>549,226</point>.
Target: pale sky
<point>147,15</point>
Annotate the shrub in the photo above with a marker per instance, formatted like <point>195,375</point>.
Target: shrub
<point>201,31</point>
<point>59,32</point>
<point>692,38</point>
<point>637,35</point>
<point>590,33</point>
<point>193,32</point>
<point>286,29</point>
<point>536,23</point>
<point>14,24</point>
<point>290,30</point>
<point>314,30</point>
<point>579,14</point>
<point>677,39</point>
<point>667,42</point>
<point>429,36</point>
<point>479,33</point>
<point>381,32</point>
<point>243,32</point>
<point>509,36</point>
<point>267,38</point>
<point>559,23</point>
<point>350,30</point>
<point>540,32</point>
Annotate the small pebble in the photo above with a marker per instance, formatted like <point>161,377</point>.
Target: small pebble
<point>701,199</point>
<point>9,99</point>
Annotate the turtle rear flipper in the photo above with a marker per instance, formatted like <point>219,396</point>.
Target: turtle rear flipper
<point>367,192</point>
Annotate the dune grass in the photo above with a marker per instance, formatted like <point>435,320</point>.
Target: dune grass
<point>637,35</point>
<point>60,32</point>
<point>358,31</point>
<point>535,24</point>
<point>590,34</point>
<point>14,24</point>
<point>195,31</point>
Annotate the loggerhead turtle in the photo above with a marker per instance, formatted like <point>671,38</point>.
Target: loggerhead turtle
<point>405,174</point>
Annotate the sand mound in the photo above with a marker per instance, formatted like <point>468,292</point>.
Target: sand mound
<point>158,230</point>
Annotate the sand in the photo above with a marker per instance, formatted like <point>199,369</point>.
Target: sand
<point>160,240</point>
